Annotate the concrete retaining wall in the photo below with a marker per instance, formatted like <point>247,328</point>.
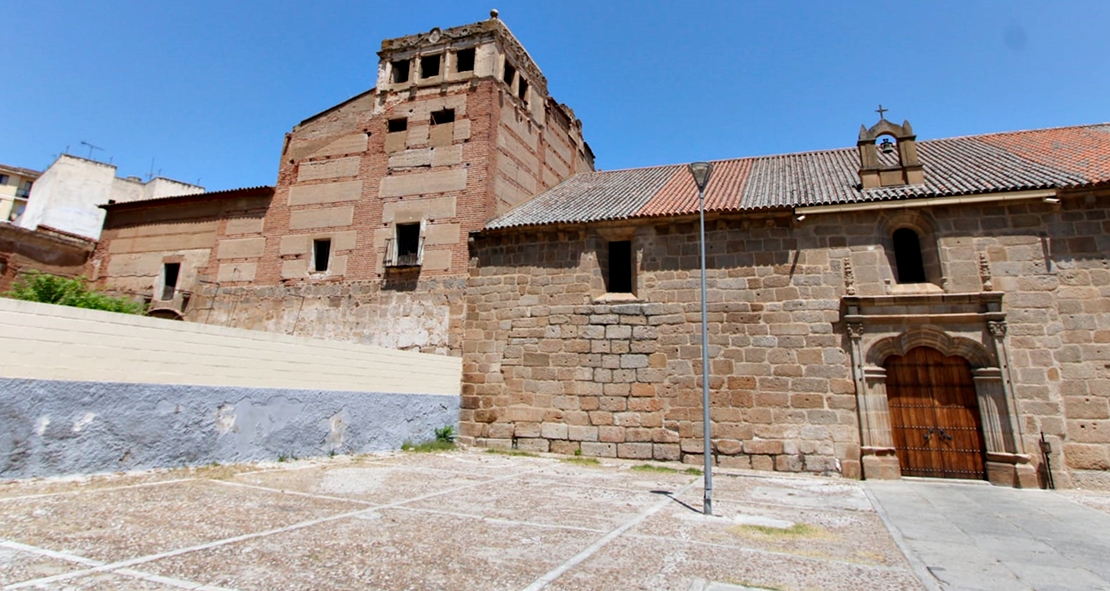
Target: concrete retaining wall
<point>88,391</point>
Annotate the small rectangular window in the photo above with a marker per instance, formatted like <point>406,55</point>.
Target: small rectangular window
<point>321,254</point>
<point>400,71</point>
<point>170,272</point>
<point>907,256</point>
<point>429,66</point>
<point>464,60</point>
<point>522,92</point>
<point>444,116</point>
<point>396,125</point>
<point>408,245</point>
<point>3,179</point>
<point>620,267</point>
<point>510,74</point>
<point>24,189</point>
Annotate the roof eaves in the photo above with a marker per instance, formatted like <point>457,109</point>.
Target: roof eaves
<point>173,199</point>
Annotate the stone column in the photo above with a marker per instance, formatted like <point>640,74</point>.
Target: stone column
<point>855,333</point>
<point>998,334</point>
<point>877,408</point>
<point>993,409</point>
<point>876,442</point>
<point>1007,463</point>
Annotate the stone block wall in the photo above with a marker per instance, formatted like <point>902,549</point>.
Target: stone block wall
<point>553,363</point>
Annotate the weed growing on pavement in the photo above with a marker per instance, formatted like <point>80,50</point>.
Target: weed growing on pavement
<point>512,452</point>
<point>428,446</point>
<point>664,469</point>
<point>798,530</point>
<point>582,461</point>
<point>446,434</point>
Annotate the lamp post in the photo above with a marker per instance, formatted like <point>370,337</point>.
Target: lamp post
<point>701,171</point>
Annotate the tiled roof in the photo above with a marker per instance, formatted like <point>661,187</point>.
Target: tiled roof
<point>162,201</point>
<point>1013,161</point>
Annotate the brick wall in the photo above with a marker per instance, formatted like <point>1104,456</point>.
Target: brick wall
<point>23,250</point>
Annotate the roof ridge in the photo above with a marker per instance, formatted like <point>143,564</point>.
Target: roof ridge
<point>1019,131</point>
<point>852,148</point>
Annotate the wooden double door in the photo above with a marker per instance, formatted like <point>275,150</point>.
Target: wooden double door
<point>934,415</point>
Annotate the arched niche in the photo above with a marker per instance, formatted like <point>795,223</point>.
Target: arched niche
<point>922,224</point>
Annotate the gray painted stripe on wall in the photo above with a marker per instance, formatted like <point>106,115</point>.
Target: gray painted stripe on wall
<point>50,427</point>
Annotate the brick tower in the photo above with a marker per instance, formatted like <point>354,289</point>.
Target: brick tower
<point>366,236</point>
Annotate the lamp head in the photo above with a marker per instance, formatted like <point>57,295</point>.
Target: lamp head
<point>701,171</point>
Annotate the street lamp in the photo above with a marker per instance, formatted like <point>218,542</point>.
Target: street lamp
<point>701,171</point>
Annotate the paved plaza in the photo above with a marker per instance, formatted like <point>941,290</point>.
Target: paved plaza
<point>971,535</point>
<point>484,521</point>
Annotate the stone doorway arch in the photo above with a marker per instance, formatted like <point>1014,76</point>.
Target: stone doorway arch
<point>967,326</point>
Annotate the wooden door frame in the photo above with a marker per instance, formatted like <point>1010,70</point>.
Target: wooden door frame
<point>929,393</point>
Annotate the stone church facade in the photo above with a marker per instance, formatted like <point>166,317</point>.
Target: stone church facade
<point>928,309</point>
<point>931,308</point>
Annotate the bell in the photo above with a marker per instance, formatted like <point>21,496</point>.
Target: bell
<point>887,146</point>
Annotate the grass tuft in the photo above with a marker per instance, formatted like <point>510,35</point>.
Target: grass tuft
<point>798,530</point>
<point>665,469</point>
<point>581,461</point>
<point>428,446</point>
<point>512,452</point>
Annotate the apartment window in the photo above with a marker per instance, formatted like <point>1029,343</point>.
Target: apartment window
<point>444,116</point>
<point>170,273</point>
<point>619,271</point>
<point>429,66</point>
<point>510,74</point>
<point>907,256</point>
<point>396,125</point>
<point>3,179</point>
<point>24,189</point>
<point>400,71</point>
<point>321,254</point>
<point>464,60</point>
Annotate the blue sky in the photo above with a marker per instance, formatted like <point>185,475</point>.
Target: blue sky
<point>209,88</point>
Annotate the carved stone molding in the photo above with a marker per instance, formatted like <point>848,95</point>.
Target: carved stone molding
<point>849,277</point>
<point>985,272</point>
<point>855,330</point>
<point>997,328</point>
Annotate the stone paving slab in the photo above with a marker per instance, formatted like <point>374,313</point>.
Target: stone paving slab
<point>801,532</point>
<point>119,524</point>
<point>369,482</point>
<point>395,549</point>
<point>639,563</point>
<point>980,537</point>
<point>459,520</point>
<point>23,564</point>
